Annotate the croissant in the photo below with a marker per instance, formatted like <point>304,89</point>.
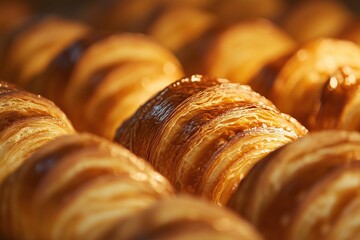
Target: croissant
<point>76,187</point>
<point>99,80</point>
<point>294,82</point>
<point>114,77</point>
<point>240,51</point>
<point>204,134</point>
<point>28,120</point>
<point>33,47</point>
<point>309,20</point>
<point>307,189</point>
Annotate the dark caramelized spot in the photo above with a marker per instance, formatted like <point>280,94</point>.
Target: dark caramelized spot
<point>41,165</point>
<point>264,81</point>
<point>95,79</point>
<point>335,94</point>
<point>201,118</point>
<point>39,168</point>
<point>57,75</point>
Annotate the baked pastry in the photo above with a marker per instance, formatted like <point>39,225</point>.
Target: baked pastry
<point>295,81</point>
<point>307,189</point>
<point>204,134</point>
<point>27,122</point>
<point>183,218</point>
<point>53,81</point>
<point>240,51</point>
<point>309,20</point>
<point>34,46</point>
<point>113,77</point>
<point>98,80</point>
<point>76,187</point>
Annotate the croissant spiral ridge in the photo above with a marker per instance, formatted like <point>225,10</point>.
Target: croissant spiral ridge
<point>204,134</point>
<point>306,189</point>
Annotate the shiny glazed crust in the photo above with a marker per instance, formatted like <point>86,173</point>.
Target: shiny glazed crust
<point>27,122</point>
<point>295,81</point>
<point>204,134</point>
<point>76,187</point>
<point>304,189</point>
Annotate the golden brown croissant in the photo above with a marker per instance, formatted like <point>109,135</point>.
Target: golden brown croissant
<point>76,187</point>
<point>294,82</point>
<point>31,49</point>
<point>308,189</point>
<point>205,134</point>
<point>183,218</point>
<point>27,122</point>
<point>242,50</point>
<point>113,78</point>
<point>99,81</point>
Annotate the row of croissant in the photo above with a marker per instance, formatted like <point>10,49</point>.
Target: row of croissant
<point>78,68</point>
<point>187,20</point>
<point>209,137</point>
